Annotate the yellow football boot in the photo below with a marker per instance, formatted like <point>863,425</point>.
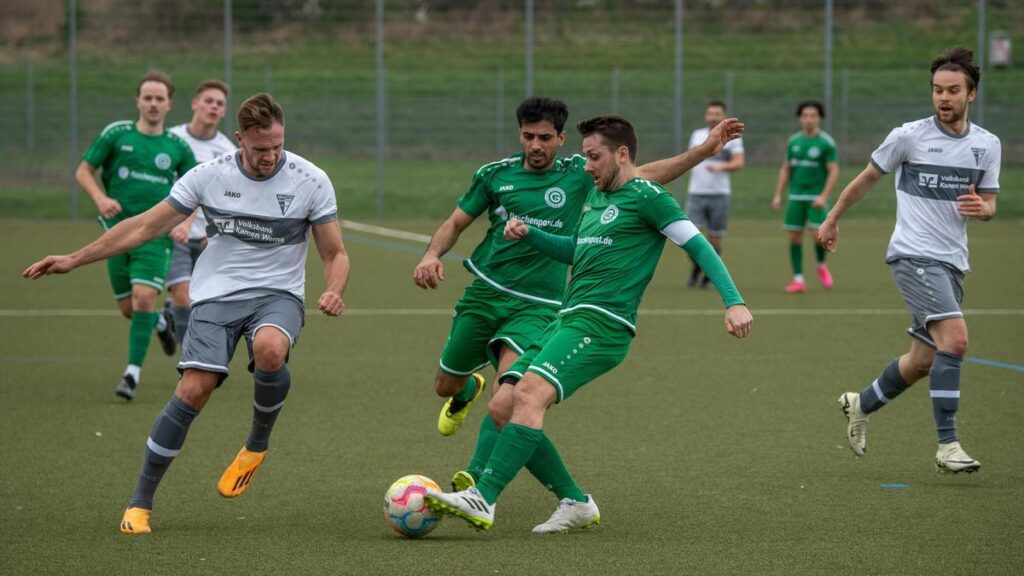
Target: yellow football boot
<point>136,521</point>
<point>454,412</point>
<point>238,476</point>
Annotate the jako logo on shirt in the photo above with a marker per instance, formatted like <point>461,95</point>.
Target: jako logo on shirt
<point>162,161</point>
<point>610,214</point>
<point>928,180</point>
<point>555,197</point>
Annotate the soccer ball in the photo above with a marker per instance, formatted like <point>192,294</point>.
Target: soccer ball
<point>405,508</point>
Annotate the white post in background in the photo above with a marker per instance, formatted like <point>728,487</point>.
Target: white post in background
<point>529,48</point>
<point>381,110</point>
<point>678,124</point>
<point>844,98</point>
<point>828,66</point>
<point>227,60</point>
<point>979,100</point>
<point>73,73</point>
<point>499,112</point>
<point>730,82</point>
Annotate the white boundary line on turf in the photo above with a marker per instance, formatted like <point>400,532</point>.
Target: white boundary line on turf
<point>388,232</point>
<point>91,313</point>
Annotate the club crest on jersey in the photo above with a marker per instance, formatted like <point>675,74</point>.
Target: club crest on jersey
<point>813,152</point>
<point>555,197</point>
<point>979,153</point>
<point>123,172</point>
<point>162,161</point>
<point>610,214</point>
<point>284,201</point>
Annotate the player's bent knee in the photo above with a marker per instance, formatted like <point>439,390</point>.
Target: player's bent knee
<point>270,358</point>
<point>195,387</point>
<point>447,385</point>
<point>534,392</point>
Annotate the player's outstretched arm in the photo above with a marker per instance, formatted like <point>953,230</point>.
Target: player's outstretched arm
<point>828,232</point>
<point>126,235</point>
<point>329,244</point>
<point>553,246</point>
<point>429,273</point>
<point>668,169</point>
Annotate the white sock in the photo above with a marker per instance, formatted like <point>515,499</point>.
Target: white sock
<point>798,278</point>
<point>161,322</point>
<point>134,371</point>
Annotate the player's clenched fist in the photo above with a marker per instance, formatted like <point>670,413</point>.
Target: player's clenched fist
<point>331,304</point>
<point>49,265</point>
<point>429,273</point>
<point>738,320</point>
<point>515,230</point>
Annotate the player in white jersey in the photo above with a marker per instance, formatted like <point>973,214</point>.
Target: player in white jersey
<point>709,192</point>
<point>947,170</point>
<point>208,107</point>
<point>250,280</point>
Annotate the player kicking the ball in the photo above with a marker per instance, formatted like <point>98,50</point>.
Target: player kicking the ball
<point>614,252</point>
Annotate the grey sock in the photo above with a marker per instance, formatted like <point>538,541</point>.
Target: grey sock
<point>888,386</point>
<point>271,389</point>
<point>945,393</point>
<point>181,316</point>
<point>164,443</point>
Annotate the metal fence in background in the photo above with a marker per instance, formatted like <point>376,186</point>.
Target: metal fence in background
<point>440,79</point>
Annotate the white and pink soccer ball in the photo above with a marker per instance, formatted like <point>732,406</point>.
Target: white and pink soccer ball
<point>406,510</point>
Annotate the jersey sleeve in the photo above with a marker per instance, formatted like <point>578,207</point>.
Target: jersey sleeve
<point>735,146</point>
<point>476,200</point>
<point>186,194</point>
<point>659,209</point>
<point>989,183</point>
<point>892,152</point>
<point>100,149</point>
<point>695,139</point>
<point>831,153</point>
<point>325,207</point>
<point>187,162</point>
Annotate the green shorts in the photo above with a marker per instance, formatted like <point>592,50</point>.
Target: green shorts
<point>801,214</point>
<point>574,350</point>
<point>146,265</point>
<point>484,320</point>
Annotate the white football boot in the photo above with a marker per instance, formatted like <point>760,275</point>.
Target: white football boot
<point>857,426</point>
<point>952,458</point>
<point>467,504</point>
<point>569,515</point>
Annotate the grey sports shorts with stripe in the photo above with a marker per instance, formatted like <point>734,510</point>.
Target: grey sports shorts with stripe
<point>183,260</point>
<point>709,212</point>
<point>931,289</point>
<point>214,329</point>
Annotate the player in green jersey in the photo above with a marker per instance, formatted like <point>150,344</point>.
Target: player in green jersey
<point>811,170</point>
<point>517,292</point>
<point>138,162</point>
<point>614,252</point>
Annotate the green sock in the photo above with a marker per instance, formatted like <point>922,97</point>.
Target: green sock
<point>515,447</point>
<point>819,253</point>
<point>546,465</point>
<point>139,336</point>
<point>485,442</point>
<point>468,390</point>
<point>796,258</point>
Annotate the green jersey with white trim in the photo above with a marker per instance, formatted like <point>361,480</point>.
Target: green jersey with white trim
<point>550,200</point>
<point>138,169</point>
<point>808,164</point>
<point>618,245</point>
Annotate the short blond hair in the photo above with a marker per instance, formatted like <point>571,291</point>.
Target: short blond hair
<point>156,76</point>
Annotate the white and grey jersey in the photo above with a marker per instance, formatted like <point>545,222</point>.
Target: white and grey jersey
<point>258,228</point>
<point>704,181</point>
<point>933,167</point>
<point>204,149</point>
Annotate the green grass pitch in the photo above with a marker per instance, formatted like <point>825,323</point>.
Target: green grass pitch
<point>707,455</point>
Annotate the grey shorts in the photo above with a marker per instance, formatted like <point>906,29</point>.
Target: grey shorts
<point>709,212</point>
<point>183,261</point>
<point>932,291</point>
<point>214,329</point>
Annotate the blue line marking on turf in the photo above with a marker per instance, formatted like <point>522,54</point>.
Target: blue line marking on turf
<point>993,363</point>
<point>897,486</point>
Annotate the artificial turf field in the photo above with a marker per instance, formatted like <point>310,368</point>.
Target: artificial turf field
<point>706,454</point>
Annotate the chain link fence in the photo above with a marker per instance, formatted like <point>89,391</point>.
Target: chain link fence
<point>437,81</point>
